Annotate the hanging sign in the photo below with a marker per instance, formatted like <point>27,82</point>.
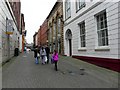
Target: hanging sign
<point>9,26</point>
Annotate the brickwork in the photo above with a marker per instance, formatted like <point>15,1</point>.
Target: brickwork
<point>16,7</point>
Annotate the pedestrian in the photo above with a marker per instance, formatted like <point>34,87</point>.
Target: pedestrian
<point>55,58</point>
<point>36,55</point>
<point>43,54</point>
<point>47,53</point>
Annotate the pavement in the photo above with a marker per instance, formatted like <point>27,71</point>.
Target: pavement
<point>22,72</point>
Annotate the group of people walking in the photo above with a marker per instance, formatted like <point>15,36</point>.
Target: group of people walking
<point>43,54</point>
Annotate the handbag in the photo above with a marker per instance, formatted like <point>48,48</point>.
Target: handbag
<point>38,55</point>
<point>52,60</point>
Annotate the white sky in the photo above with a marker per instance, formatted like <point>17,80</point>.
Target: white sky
<point>35,12</point>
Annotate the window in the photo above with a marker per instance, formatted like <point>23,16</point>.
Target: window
<point>50,34</point>
<point>59,25</point>
<point>80,4</point>
<point>82,34</point>
<point>67,9</point>
<point>54,31</point>
<point>102,30</point>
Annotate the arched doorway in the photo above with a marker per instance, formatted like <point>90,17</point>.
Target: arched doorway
<point>68,37</point>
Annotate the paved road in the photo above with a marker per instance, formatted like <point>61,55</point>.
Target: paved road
<point>22,72</point>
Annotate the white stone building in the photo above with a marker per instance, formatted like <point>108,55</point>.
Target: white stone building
<point>91,30</point>
<point>8,43</point>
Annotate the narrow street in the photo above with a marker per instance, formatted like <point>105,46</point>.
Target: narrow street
<point>22,72</point>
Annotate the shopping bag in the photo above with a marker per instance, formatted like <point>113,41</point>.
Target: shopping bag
<point>45,58</point>
<point>38,55</point>
<point>52,60</point>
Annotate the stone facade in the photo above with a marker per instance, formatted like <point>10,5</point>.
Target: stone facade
<point>55,28</point>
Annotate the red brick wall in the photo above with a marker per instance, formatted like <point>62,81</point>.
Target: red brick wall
<point>16,7</point>
<point>39,41</point>
<point>43,33</point>
<point>23,28</point>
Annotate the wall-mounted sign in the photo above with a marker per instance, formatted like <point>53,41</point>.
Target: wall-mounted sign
<point>9,26</point>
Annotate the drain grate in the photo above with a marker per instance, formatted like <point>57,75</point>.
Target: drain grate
<point>82,71</point>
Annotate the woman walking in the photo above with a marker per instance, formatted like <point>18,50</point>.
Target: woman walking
<point>43,54</point>
<point>55,58</point>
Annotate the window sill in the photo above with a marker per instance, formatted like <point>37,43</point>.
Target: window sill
<point>82,49</point>
<point>67,18</point>
<point>82,6</point>
<point>102,48</point>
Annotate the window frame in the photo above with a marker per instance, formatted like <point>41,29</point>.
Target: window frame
<point>79,6</point>
<point>82,34</point>
<point>104,29</point>
<point>67,9</point>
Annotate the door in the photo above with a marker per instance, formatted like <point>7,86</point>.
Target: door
<point>70,47</point>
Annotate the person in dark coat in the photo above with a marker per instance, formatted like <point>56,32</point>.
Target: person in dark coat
<point>35,55</point>
<point>47,53</point>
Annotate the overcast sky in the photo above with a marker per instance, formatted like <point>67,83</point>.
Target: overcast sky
<point>35,12</point>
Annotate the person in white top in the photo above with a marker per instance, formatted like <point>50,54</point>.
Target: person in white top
<point>43,54</point>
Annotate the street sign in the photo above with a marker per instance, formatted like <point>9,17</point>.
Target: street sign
<point>9,26</point>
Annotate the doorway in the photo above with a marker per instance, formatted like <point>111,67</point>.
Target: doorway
<point>70,48</point>
<point>69,42</point>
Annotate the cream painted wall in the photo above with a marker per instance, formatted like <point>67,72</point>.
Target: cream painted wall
<point>87,14</point>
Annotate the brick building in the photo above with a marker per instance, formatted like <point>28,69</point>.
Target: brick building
<point>16,8</point>
<point>35,39</point>
<point>43,34</point>
<point>39,37</point>
<point>23,32</point>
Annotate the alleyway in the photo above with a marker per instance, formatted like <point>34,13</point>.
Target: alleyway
<point>22,72</point>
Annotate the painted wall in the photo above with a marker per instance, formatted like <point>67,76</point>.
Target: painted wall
<point>87,13</point>
<point>12,42</point>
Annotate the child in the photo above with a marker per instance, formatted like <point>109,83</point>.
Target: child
<point>55,58</point>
